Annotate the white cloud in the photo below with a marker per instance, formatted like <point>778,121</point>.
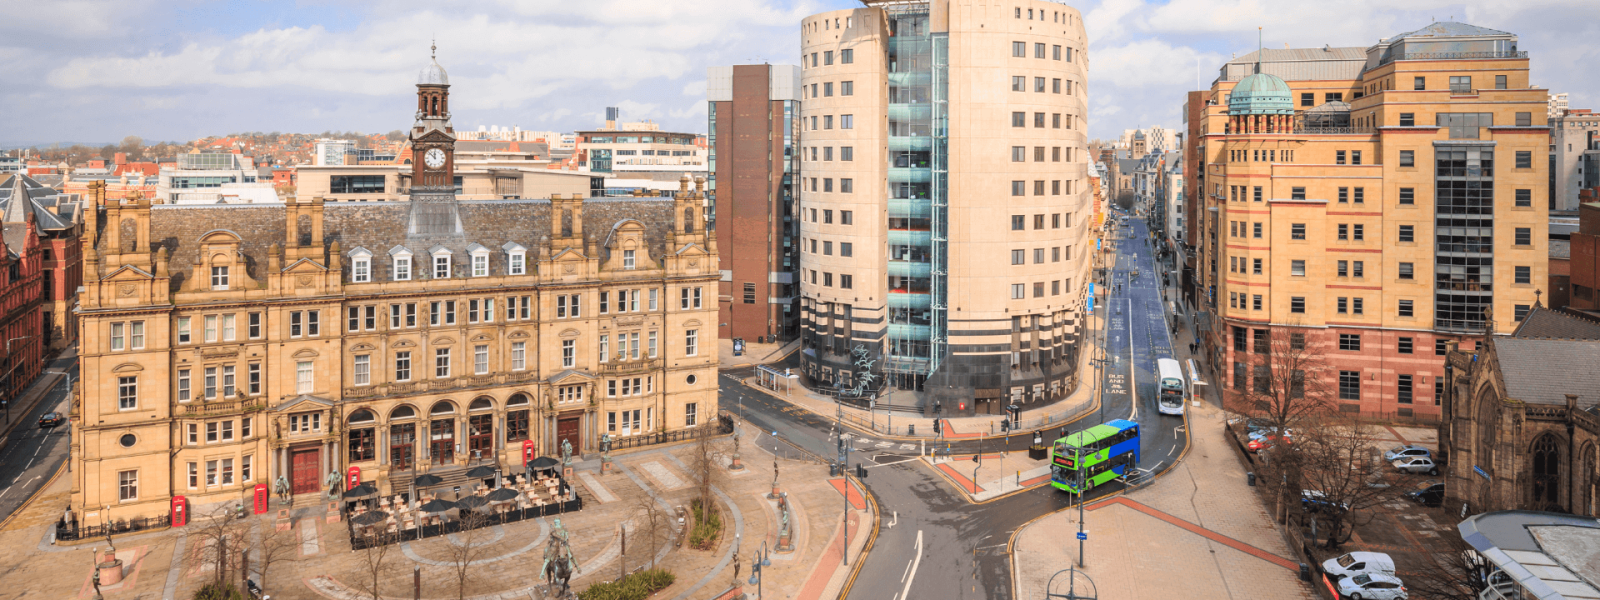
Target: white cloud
<point>695,88</point>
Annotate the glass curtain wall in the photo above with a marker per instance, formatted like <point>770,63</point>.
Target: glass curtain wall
<point>1463,237</point>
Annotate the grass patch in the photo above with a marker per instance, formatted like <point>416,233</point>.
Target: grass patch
<point>218,591</point>
<point>637,586</point>
<point>707,526</point>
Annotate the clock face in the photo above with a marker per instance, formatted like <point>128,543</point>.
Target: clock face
<point>434,158</point>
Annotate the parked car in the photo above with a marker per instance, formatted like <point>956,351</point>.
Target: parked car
<point>1372,586</point>
<point>51,420</point>
<point>1416,464</point>
<point>1428,495</point>
<point>1266,431</point>
<point>1356,563</point>
<point>1251,424</point>
<point>1406,451</point>
<point>1316,501</point>
<point>1267,441</point>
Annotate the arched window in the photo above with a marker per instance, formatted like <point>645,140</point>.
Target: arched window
<point>481,404</point>
<point>1546,453</point>
<point>443,407</point>
<point>518,399</point>
<point>362,416</point>
<point>402,412</point>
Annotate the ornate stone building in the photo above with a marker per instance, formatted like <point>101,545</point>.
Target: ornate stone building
<point>226,346</point>
<point>59,224</point>
<point>1522,418</point>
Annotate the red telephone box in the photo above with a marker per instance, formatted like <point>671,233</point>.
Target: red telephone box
<point>353,478</point>
<point>527,451</point>
<point>261,498</point>
<point>180,512</point>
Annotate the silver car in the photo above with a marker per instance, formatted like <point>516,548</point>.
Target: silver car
<point>1407,451</point>
<point>1416,464</point>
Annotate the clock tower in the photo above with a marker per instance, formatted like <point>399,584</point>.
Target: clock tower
<point>433,137</point>
<point>434,212</point>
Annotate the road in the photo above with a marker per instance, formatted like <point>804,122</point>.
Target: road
<point>963,546</point>
<point>31,454</point>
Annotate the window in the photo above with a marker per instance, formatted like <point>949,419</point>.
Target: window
<point>1038,85</point>
<point>303,377</point>
<point>255,383</point>
<point>1499,82</point>
<point>691,342</point>
<point>1343,305</point>
<point>1408,119</point>
<point>690,415</point>
<point>1519,312</point>
<point>1038,119</point>
<point>847,186</point>
<point>441,266</point>
<point>1019,49</point>
<point>1524,198</point>
<point>1356,305</point>
<point>1524,236</point>
<point>1408,158</point>
<point>847,56</point>
<point>847,153</point>
<point>1038,48</point>
<point>1019,257</point>
<point>219,278</point>
<point>1419,83</point>
<point>480,265</point>
<point>1018,222</point>
<point>1019,153</point>
<point>1356,232</point>
<point>1404,392</point>
<point>1255,230</point>
<point>183,330</point>
<point>1355,157</point>
<point>402,366</point>
<point>1019,188</point>
<point>1255,303</point>
<point>184,393</point>
<point>827,90</point>
<point>363,369</point>
<point>1407,270</point>
<point>194,475</point>
<point>1344,195</point>
<point>402,267</point>
<point>517,263</point>
<point>1524,274</point>
<point>1408,196</point>
<point>689,298</point>
<point>1406,308</point>
<point>1257,193</point>
<point>127,485</point>
<point>1308,99</point>
<point>1440,347</point>
<point>1297,304</point>
<point>1297,268</point>
<point>441,363</point>
<point>1297,193</point>
<point>118,341</point>
<point>827,123</point>
<point>1297,231</point>
<point>847,122</point>
<point>1407,233</point>
<point>127,393</point>
<point>1255,266</point>
<point>1524,159</point>
<point>1349,385</point>
<point>1018,291</point>
<point>1338,157</point>
<point>480,360</point>
<point>362,272</point>
<point>1019,119</point>
<point>1055,52</point>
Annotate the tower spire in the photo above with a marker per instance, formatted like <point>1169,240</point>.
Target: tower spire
<point>1258,49</point>
<point>433,49</point>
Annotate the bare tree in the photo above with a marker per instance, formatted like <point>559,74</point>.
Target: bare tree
<point>655,520</point>
<point>276,548</point>
<point>1332,462</point>
<point>465,547</point>
<point>221,541</point>
<point>375,561</point>
<point>1289,380</point>
<point>706,470</point>
<point>1453,571</point>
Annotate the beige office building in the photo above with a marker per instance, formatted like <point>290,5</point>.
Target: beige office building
<point>944,205</point>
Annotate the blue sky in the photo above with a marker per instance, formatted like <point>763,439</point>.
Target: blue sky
<point>96,71</point>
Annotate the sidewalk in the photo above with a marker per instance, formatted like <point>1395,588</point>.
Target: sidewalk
<point>997,474</point>
<point>1199,526</point>
<point>754,354</point>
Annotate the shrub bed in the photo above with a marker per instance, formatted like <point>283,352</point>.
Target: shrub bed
<point>637,586</point>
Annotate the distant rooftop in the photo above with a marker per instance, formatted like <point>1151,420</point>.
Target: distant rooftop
<point>1449,29</point>
<point>1549,556</point>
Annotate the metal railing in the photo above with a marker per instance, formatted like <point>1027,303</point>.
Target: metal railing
<point>1321,130</point>
<point>71,532</point>
<point>720,426</point>
<point>1453,55</point>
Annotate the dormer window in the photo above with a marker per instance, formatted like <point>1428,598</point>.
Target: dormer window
<point>360,266</point>
<point>441,267</point>
<point>627,259</point>
<point>517,263</point>
<point>480,260</point>
<point>219,278</point>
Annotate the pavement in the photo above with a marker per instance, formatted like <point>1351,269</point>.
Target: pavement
<point>754,353</point>
<point>319,564</point>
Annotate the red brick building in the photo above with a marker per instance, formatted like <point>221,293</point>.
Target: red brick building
<point>57,224</point>
<point>754,133</point>
<point>21,297</point>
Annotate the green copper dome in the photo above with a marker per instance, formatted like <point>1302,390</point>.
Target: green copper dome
<point>1261,94</point>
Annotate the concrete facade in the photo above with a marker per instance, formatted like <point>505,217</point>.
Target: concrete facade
<point>966,129</point>
<point>1575,152</point>
<point>754,113</point>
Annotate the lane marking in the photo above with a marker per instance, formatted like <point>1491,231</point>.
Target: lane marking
<point>1133,376</point>
<point>912,574</point>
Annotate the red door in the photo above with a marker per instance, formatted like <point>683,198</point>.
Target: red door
<point>567,431</point>
<point>305,464</point>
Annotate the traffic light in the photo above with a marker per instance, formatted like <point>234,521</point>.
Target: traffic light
<point>936,428</point>
<point>1005,424</point>
<point>861,471</point>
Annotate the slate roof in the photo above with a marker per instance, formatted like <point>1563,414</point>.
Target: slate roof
<point>1544,371</point>
<point>39,200</point>
<point>1448,29</point>
<point>383,227</point>
<point>1555,324</point>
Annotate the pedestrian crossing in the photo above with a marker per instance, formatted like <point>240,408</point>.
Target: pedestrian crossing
<point>862,442</point>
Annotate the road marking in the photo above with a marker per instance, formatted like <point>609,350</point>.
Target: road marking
<point>885,444</point>
<point>1133,377</point>
<point>907,447</point>
<point>911,574</point>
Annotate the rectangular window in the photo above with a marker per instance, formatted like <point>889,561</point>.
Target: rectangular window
<point>313,327</point>
<point>1524,236</point>
<point>1257,192</point>
<point>847,122</point>
<point>1019,49</point>
<point>1499,82</point>
<point>1524,198</point>
<point>1524,274</point>
<point>211,327</point>
<point>691,342</point>
<point>1404,345</point>
<point>118,342</point>
<point>1297,231</point>
<point>1419,83</point>
<point>1406,308</point>
<point>304,377</point>
<point>1349,385</point>
<point>1297,193</point>
<point>1524,159</point>
<point>183,330</point>
<point>441,266</point>
<point>518,264</point>
<point>1408,119</point>
<point>219,278</point>
<point>1308,99</point>
<point>480,360</point>
<point>1019,119</point>
<point>1038,120</point>
<point>1018,291</point>
<point>1255,302</point>
<point>1408,158</point>
<point>255,379</point>
<point>127,393</point>
<point>569,353</point>
<point>402,366</point>
<point>1339,157</point>
<point>1019,188</point>
<point>1408,196</point>
<point>127,485</point>
<point>847,56</point>
<point>1404,391</point>
<point>1357,232</point>
<point>1297,268</point>
<point>847,88</point>
<point>184,393</point>
<point>1297,304</point>
<point>1407,233</point>
<point>480,265</point>
<point>441,363</point>
<point>363,369</point>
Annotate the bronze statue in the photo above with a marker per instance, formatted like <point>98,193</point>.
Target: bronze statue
<point>559,567</point>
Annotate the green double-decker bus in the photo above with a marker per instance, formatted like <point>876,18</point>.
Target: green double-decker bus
<point>1097,455</point>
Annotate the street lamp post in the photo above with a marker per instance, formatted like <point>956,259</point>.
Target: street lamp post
<point>761,559</point>
<point>1078,462</point>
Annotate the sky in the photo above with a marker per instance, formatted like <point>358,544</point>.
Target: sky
<point>96,71</point>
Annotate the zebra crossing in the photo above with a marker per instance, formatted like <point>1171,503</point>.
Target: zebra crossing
<point>862,442</point>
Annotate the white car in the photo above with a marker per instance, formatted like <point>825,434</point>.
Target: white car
<point>1372,586</point>
<point>1356,563</point>
<point>1407,451</point>
<point>1416,464</point>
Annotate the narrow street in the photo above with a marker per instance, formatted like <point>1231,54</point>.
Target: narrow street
<point>31,454</point>
<point>964,546</point>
